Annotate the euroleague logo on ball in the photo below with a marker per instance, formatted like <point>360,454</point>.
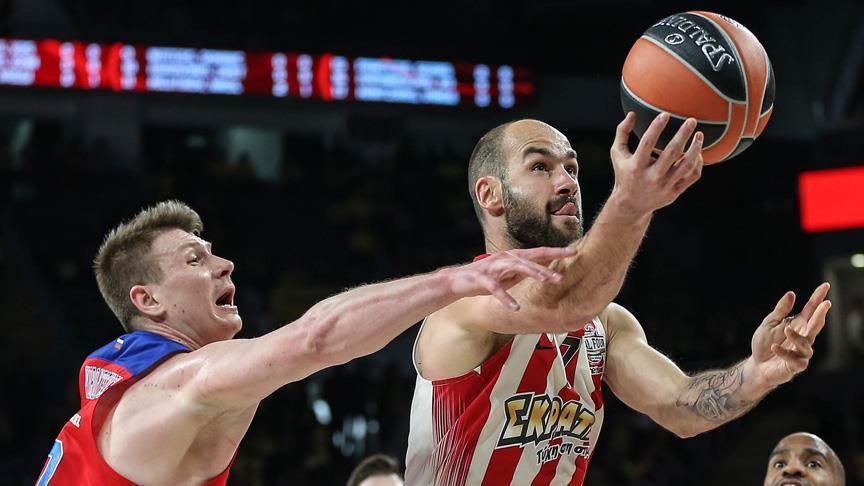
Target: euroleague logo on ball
<point>674,39</point>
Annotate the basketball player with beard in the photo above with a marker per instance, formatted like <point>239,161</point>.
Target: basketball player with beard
<point>516,399</point>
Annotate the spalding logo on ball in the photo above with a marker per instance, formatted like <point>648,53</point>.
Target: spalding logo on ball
<point>706,66</point>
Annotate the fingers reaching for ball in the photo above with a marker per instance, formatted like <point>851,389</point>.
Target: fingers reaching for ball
<point>675,148</point>
<point>686,172</point>
<point>650,138</point>
<point>649,183</point>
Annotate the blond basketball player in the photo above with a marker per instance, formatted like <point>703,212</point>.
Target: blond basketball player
<point>516,399</point>
<point>169,402</point>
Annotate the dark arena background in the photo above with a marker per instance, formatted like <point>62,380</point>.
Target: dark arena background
<point>325,144</point>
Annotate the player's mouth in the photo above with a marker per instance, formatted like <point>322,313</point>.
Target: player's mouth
<point>792,482</point>
<point>225,299</point>
<point>569,209</point>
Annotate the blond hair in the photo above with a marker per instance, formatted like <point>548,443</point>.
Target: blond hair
<point>125,260</point>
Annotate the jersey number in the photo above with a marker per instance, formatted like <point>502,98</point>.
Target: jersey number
<point>573,343</point>
<point>51,464</point>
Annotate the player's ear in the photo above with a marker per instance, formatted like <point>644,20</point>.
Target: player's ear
<point>143,299</point>
<point>488,191</point>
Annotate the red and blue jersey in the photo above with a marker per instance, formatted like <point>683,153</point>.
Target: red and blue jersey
<point>75,458</point>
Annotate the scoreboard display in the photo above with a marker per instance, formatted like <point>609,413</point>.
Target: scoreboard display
<point>329,77</point>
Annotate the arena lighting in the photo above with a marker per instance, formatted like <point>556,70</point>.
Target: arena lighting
<point>832,199</point>
<point>321,409</point>
<point>857,260</point>
<point>329,77</point>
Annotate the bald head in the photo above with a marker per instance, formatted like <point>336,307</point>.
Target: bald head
<point>493,151</point>
<point>522,130</point>
<point>805,459</point>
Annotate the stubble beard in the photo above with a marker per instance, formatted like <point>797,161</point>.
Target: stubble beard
<point>528,229</point>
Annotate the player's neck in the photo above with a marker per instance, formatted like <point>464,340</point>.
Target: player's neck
<point>174,334</point>
<point>495,243</point>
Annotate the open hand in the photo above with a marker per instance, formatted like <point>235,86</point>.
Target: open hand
<point>783,344</point>
<point>645,183</point>
<point>501,270</point>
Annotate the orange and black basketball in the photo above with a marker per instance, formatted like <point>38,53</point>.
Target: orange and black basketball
<point>706,66</point>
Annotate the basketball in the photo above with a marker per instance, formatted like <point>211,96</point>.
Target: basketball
<point>706,66</point>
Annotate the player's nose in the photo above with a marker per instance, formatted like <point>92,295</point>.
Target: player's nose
<point>564,182</point>
<point>223,267</point>
<point>793,469</point>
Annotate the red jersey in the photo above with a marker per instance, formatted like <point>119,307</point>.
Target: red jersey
<point>75,459</point>
<point>530,414</point>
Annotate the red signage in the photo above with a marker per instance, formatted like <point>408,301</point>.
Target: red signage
<point>832,199</point>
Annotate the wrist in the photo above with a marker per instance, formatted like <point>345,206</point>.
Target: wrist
<point>753,384</point>
<point>624,209</point>
<point>446,280</point>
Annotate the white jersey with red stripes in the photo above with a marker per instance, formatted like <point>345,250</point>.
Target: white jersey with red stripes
<point>528,415</point>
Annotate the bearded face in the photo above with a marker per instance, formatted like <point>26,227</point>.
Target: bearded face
<point>556,223</point>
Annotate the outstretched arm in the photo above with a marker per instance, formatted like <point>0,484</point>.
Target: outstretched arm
<point>651,383</point>
<point>153,431</point>
<point>594,273</point>
<point>151,434</point>
<point>355,323</point>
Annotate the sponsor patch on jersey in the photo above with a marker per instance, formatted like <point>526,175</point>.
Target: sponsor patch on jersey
<point>595,348</point>
<point>97,380</point>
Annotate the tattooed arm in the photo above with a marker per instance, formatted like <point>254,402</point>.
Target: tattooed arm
<point>717,396</point>
<point>651,383</point>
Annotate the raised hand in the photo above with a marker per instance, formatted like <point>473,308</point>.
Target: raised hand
<point>646,182</point>
<point>783,344</point>
<point>499,271</point>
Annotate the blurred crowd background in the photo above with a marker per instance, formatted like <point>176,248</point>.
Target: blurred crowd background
<point>309,198</point>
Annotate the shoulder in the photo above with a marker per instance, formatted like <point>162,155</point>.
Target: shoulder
<point>619,321</point>
<point>155,421</point>
<point>611,315</point>
<point>166,389</point>
<point>174,385</point>
<point>169,379</point>
<point>451,342</point>
<point>469,317</point>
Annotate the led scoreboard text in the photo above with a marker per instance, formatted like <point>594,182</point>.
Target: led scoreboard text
<point>137,68</point>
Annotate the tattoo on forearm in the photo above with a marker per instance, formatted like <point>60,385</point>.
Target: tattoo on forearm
<point>714,395</point>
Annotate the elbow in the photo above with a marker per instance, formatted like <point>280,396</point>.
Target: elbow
<point>683,431</point>
<point>591,298</point>
<point>320,340</point>
<point>572,319</point>
<point>676,424</point>
<point>575,311</point>
<point>593,305</point>
<point>573,325</point>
